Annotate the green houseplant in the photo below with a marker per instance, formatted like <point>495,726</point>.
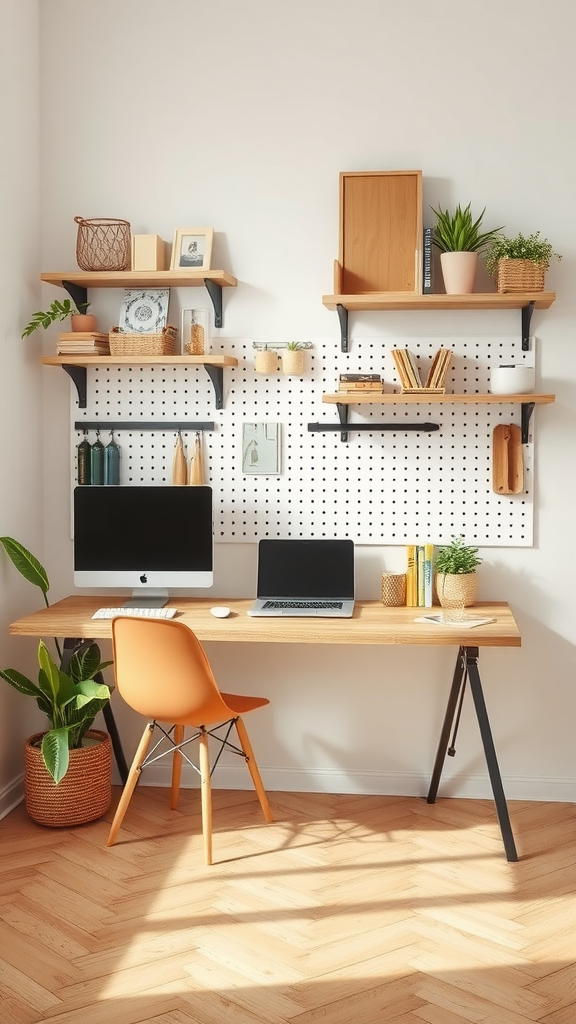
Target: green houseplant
<point>456,578</point>
<point>59,311</point>
<point>520,263</point>
<point>67,767</point>
<point>293,359</point>
<point>459,232</point>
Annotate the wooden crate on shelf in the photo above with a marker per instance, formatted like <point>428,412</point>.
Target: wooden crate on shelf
<point>380,232</point>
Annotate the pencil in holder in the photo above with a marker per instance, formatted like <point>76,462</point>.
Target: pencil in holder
<point>394,588</point>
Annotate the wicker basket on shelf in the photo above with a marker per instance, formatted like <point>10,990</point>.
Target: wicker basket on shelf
<point>520,275</point>
<point>125,343</point>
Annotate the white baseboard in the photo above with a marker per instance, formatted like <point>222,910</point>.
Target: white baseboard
<point>11,796</point>
<point>319,780</point>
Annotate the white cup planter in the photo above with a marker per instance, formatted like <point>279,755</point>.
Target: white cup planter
<point>513,380</point>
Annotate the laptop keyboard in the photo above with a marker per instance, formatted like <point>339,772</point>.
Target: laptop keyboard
<point>302,604</point>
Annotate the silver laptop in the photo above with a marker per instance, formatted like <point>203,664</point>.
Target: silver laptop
<point>305,577</point>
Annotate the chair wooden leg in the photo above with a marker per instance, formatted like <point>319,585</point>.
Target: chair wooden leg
<point>133,776</point>
<point>176,768</point>
<point>206,793</point>
<point>253,769</point>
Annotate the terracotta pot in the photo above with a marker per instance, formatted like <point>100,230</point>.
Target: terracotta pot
<point>84,793</point>
<point>457,590</point>
<point>83,322</point>
<point>293,361</point>
<point>459,272</point>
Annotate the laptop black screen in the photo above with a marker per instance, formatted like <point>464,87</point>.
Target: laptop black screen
<point>306,568</point>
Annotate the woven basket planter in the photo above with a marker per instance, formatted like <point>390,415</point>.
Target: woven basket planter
<point>84,793</point>
<point>124,343</point>
<point>457,590</point>
<point>520,276</point>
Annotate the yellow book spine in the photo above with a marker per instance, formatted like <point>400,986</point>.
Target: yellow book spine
<point>420,575</point>
<point>411,590</point>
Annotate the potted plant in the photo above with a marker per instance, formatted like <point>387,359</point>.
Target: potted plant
<point>80,319</point>
<point>460,241</point>
<point>520,263</point>
<point>456,577</point>
<point>293,359</point>
<point>68,767</point>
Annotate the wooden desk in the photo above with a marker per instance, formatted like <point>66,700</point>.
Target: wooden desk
<point>372,623</point>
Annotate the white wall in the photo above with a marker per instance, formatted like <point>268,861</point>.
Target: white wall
<point>20,374</point>
<point>241,116</point>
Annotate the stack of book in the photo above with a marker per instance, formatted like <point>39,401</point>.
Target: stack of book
<point>419,575</point>
<point>82,343</point>
<point>361,383</point>
<point>409,373</point>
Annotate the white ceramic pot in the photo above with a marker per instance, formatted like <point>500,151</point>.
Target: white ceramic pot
<point>513,380</point>
<point>459,272</point>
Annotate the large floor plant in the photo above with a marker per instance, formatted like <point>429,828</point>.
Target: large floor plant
<point>71,699</point>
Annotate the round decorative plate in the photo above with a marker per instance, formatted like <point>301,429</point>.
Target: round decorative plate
<point>145,312</point>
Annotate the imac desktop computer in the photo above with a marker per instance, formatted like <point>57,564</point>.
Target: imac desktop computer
<point>146,540</point>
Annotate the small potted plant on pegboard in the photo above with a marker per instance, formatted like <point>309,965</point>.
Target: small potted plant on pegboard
<point>293,359</point>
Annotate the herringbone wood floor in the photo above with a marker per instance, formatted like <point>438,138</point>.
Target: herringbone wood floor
<point>347,909</point>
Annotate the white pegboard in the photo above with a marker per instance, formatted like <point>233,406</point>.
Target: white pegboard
<point>378,488</point>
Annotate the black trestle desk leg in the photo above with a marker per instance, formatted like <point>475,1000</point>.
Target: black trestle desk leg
<point>458,683</point>
<point>490,753</point>
<point>70,645</point>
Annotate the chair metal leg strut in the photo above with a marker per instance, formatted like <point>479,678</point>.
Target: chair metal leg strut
<point>467,670</point>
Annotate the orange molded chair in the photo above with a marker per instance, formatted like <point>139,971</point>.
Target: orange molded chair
<point>162,671</point>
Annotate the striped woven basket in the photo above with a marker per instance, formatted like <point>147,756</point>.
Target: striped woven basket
<point>519,276</point>
<point>84,793</point>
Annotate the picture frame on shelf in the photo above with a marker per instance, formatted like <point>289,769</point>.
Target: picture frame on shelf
<point>192,249</point>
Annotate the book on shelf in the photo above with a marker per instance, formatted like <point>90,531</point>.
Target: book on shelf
<point>428,575</point>
<point>411,580</point>
<point>361,388</point>
<point>409,371</point>
<point>354,377</point>
<point>420,575</point>
<point>427,263</point>
<point>83,349</point>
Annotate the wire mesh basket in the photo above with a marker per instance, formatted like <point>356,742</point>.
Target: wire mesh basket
<point>103,244</point>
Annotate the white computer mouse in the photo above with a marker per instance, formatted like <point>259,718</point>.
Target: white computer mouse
<point>221,611</point>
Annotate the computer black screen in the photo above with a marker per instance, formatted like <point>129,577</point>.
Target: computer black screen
<point>306,568</point>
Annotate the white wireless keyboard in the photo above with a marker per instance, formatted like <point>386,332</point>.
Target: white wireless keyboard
<point>139,613</point>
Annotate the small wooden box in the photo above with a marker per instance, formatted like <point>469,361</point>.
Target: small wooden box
<point>148,252</point>
<point>380,232</point>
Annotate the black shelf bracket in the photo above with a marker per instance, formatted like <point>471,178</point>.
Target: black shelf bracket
<point>162,426</point>
<point>526,314</point>
<point>343,318</point>
<point>527,410</point>
<point>216,374</point>
<point>78,375</point>
<point>215,292</point>
<point>78,293</point>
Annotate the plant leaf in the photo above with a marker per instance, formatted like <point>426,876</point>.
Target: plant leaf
<point>28,566</point>
<point>55,752</point>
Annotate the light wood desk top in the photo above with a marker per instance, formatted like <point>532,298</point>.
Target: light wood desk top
<point>372,623</point>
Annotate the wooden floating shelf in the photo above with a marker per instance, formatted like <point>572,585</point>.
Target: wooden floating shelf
<point>405,398</point>
<point>140,278</point>
<point>77,365</point>
<point>409,301</point>
<point>96,360</point>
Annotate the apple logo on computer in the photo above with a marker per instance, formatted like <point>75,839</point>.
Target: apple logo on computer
<point>143,578</point>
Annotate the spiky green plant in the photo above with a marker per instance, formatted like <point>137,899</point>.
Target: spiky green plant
<point>457,557</point>
<point>459,232</point>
